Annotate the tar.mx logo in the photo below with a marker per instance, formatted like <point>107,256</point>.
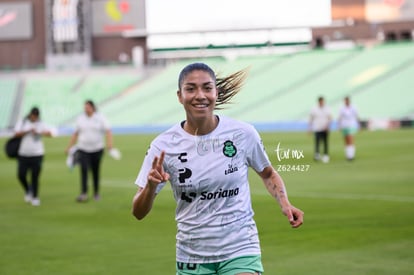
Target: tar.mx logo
<point>283,153</point>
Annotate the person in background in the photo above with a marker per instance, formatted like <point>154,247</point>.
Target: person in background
<point>31,153</point>
<point>319,123</point>
<point>348,123</point>
<point>91,130</point>
<point>206,159</point>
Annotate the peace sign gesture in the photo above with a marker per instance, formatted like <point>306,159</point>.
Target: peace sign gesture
<point>157,174</point>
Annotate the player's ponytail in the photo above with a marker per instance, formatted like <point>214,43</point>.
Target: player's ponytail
<point>229,86</point>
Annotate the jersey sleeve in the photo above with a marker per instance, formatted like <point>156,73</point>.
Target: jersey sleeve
<point>78,123</point>
<point>341,118</point>
<point>105,123</point>
<point>44,127</point>
<point>356,115</point>
<point>257,157</point>
<point>146,166</point>
<point>18,127</point>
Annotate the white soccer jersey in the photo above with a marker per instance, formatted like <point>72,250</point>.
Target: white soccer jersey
<point>348,117</point>
<point>320,118</point>
<point>91,132</point>
<point>31,144</point>
<point>209,178</point>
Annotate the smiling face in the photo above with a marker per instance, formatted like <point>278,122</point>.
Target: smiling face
<point>198,94</point>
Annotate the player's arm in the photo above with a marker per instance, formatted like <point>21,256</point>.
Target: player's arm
<point>358,119</point>
<point>72,141</point>
<point>19,132</point>
<point>310,121</point>
<point>330,118</point>
<point>22,133</point>
<point>46,133</point>
<point>109,139</point>
<point>339,122</point>
<point>276,187</point>
<point>144,198</point>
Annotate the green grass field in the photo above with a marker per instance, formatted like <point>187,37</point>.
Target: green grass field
<point>359,216</point>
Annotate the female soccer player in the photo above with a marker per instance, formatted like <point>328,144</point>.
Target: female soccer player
<point>319,123</point>
<point>348,122</point>
<point>31,152</point>
<point>91,130</point>
<point>206,159</point>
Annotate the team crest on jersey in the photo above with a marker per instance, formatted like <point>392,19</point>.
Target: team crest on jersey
<point>229,150</point>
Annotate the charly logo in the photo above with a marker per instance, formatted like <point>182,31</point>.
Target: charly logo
<point>229,150</point>
<point>183,157</point>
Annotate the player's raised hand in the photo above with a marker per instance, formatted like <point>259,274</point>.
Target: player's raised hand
<point>157,173</point>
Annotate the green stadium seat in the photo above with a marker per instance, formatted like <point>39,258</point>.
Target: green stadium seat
<point>8,88</point>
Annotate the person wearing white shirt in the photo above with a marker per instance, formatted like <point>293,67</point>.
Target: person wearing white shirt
<point>348,122</point>
<point>31,152</point>
<point>319,123</point>
<point>206,159</point>
<point>92,128</point>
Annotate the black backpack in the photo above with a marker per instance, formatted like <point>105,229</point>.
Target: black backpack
<point>12,146</point>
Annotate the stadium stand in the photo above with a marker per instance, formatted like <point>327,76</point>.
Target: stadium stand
<point>143,101</point>
<point>61,98</point>
<point>279,88</point>
<point>393,94</point>
<point>52,95</point>
<point>8,88</point>
<point>284,88</point>
<point>388,95</point>
<point>370,69</point>
<point>278,82</point>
